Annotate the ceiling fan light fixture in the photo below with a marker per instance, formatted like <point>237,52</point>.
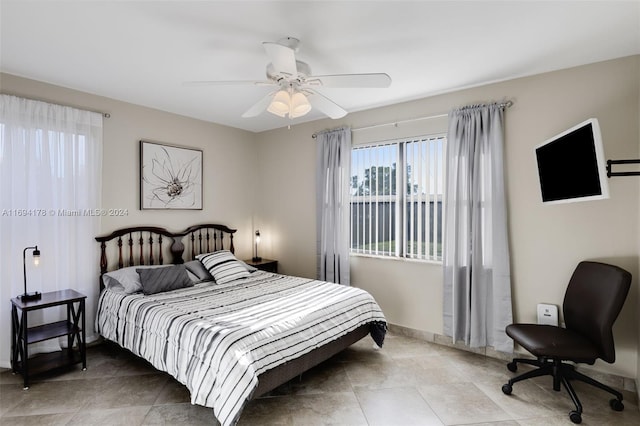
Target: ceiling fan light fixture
<point>299,105</point>
<point>280,103</point>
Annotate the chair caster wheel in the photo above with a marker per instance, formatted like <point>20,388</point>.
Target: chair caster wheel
<point>575,417</point>
<point>616,405</point>
<point>507,389</point>
<point>512,366</point>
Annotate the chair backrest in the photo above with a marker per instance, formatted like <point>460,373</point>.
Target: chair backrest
<point>592,302</point>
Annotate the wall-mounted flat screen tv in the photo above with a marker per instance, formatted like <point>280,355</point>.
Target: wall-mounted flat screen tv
<point>571,165</point>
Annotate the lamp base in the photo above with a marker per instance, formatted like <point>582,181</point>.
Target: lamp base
<point>27,297</point>
<point>256,259</point>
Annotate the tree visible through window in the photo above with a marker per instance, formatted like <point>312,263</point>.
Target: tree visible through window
<point>386,221</point>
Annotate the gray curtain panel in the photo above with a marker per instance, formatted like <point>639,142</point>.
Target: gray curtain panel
<point>334,162</point>
<point>477,277</point>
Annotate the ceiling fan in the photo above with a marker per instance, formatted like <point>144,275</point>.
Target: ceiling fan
<point>294,93</point>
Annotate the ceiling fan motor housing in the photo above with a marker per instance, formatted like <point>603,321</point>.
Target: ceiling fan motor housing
<point>304,71</point>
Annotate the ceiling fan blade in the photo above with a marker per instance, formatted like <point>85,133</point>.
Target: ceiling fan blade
<point>259,106</point>
<point>325,105</point>
<point>373,80</point>
<point>229,83</point>
<point>282,57</point>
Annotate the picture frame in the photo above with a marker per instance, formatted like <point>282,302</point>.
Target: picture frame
<point>170,177</point>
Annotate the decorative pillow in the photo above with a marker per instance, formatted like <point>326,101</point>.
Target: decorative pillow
<point>157,280</point>
<point>126,280</point>
<point>197,268</point>
<point>224,266</point>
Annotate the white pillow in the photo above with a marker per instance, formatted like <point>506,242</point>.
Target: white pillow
<point>126,280</point>
<point>224,266</point>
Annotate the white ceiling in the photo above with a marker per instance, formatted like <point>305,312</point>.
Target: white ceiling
<point>141,52</point>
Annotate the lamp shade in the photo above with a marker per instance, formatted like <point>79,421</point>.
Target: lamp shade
<point>280,103</point>
<point>299,105</point>
<point>36,256</point>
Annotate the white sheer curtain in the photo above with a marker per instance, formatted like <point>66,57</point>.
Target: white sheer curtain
<point>50,196</point>
<point>334,162</point>
<point>477,278</point>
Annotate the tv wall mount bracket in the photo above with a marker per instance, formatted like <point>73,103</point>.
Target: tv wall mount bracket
<point>610,163</point>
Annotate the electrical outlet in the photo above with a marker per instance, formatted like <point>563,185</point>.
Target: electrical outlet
<point>547,314</point>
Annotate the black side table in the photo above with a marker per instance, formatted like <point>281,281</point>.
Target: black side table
<point>268,265</point>
<point>22,335</point>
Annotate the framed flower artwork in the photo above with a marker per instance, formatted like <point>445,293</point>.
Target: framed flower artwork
<point>170,177</point>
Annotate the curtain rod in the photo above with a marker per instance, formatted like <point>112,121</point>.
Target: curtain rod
<point>428,117</point>
<point>395,123</point>
<point>104,114</point>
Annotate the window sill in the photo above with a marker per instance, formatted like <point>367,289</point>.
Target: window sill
<point>397,259</point>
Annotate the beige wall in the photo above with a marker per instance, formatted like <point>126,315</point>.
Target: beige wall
<point>229,160</point>
<point>546,240</point>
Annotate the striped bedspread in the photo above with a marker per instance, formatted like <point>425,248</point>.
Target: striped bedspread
<point>216,339</point>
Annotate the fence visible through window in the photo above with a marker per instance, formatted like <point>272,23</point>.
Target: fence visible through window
<point>396,198</point>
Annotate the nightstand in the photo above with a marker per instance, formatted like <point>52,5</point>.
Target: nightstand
<point>268,265</point>
<point>22,335</point>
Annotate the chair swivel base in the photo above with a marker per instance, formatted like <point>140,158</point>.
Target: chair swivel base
<point>562,374</point>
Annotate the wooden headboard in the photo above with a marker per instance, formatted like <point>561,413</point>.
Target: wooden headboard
<point>206,238</point>
<point>152,245</point>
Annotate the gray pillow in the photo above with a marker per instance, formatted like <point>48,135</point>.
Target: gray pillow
<point>126,280</point>
<point>157,280</point>
<point>197,268</point>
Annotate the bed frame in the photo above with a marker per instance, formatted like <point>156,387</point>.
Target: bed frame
<point>151,245</point>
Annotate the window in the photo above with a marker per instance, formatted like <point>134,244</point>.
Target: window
<point>396,198</point>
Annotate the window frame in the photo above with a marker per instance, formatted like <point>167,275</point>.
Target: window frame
<point>429,250</point>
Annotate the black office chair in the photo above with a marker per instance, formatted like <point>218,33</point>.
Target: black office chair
<point>592,302</point>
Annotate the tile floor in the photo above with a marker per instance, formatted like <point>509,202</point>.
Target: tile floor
<point>408,382</point>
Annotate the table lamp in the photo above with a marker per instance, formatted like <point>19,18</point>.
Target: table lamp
<point>36,261</point>
<point>257,258</point>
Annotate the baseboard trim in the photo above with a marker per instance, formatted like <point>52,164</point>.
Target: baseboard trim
<point>613,380</point>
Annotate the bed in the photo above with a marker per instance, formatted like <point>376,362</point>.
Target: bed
<point>230,339</point>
